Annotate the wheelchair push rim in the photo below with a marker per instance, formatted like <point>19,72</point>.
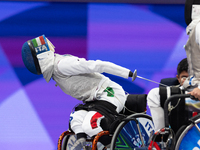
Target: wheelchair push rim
<point>133,132</point>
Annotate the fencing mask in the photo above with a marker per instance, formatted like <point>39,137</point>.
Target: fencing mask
<point>188,10</point>
<point>31,49</point>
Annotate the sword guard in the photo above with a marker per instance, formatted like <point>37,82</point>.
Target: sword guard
<point>134,75</point>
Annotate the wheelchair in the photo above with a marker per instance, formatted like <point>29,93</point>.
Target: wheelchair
<point>134,130</point>
<point>186,138</point>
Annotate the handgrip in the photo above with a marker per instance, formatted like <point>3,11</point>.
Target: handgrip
<point>194,98</point>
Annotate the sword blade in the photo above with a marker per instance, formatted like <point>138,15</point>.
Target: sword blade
<point>151,80</point>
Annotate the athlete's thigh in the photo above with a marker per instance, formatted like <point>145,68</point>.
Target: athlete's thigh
<point>91,124</point>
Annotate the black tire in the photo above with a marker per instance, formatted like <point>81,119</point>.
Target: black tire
<point>65,142</point>
<point>127,135</point>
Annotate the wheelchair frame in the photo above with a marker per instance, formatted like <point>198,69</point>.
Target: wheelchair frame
<point>132,100</point>
<point>166,130</point>
<point>94,141</point>
<point>183,130</point>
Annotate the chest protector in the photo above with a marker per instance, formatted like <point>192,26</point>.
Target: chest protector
<point>178,115</point>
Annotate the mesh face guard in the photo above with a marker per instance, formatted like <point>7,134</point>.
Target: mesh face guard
<point>30,50</point>
<point>188,10</point>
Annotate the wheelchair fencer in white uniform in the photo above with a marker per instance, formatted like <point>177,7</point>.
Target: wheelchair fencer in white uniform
<point>80,79</point>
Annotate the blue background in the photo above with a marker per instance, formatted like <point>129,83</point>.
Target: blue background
<point>146,37</point>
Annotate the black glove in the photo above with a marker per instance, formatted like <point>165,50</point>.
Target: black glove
<point>133,75</point>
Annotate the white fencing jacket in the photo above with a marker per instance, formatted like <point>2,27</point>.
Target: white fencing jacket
<point>192,49</point>
<point>80,78</point>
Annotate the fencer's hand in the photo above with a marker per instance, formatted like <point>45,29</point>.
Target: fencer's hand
<point>196,93</point>
<point>133,75</point>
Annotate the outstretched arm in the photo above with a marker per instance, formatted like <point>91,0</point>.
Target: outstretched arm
<point>74,66</point>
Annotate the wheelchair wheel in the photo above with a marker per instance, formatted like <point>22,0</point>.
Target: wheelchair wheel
<point>133,132</point>
<point>189,139</point>
<point>69,140</point>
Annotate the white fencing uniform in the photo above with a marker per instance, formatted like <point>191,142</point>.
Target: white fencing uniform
<point>83,80</point>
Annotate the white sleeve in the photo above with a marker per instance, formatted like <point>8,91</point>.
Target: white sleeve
<point>153,98</point>
<point>197,34</point>
<point>75,66</point>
